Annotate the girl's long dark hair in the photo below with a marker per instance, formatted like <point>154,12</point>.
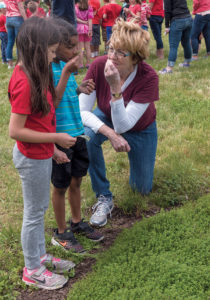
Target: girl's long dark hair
<point>34,38</point>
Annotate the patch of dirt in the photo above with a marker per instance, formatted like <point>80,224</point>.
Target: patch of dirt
<point>117,223</point>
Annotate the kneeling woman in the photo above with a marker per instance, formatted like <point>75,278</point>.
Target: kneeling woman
<point>126,88</point>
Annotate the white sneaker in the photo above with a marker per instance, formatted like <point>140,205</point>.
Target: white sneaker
<point>101,209</point>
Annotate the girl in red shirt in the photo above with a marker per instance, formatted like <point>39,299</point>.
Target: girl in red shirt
<point>32,125</point>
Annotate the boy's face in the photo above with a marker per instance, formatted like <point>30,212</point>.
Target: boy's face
<point>65,53</point>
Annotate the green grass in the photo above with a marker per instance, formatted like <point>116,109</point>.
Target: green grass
<point>181,174</point>
<point>164,257</point>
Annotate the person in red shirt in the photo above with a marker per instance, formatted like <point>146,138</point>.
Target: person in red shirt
<point>39,12</point>
<point>95,42</point>
<point>103,23</point>
<point>111,12</point>
<point>156,20</point>
<point>201,24</point>
<point>134,11</point>
<point>33,126</point>
<point>3,32</point>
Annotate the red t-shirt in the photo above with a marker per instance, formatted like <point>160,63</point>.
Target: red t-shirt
<point>40,13</point>
<point>95,4</point>
<point>158,8</point>
<point>143,89</point>
<point>19,96</point>
<point>135,9</point>
<point>112,11</point>
<point>2,23</point>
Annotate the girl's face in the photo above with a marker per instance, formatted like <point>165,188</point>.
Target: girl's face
<point>65,53</point>
<point>132,2</point>
<point>52,52</point>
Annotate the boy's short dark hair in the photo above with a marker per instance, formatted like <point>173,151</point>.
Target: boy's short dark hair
<point>32,7</point>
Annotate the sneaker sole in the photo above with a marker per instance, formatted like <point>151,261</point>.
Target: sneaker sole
<point>57,244</point>
<point>50,288</point>
<point>103,224</point>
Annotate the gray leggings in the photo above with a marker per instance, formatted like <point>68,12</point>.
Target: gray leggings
<point>35,175</point>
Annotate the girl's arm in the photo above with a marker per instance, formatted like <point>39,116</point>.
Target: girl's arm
<point>18,131</point>
<point>82,21</point>
<point>70,67</point>
<point>22,10</point>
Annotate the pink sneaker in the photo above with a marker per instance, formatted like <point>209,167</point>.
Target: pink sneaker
<point>44,279</point>
<point>59,265</point>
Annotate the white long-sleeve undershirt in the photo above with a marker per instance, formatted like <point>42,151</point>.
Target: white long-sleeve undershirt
<point>123,118</point>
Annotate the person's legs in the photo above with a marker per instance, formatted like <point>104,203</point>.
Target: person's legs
<point>196,30</point>
<point>206,32</point>
<point>74,198</point>
<point>81,47</point>
<point>3,37</point>
<point>88,52</point>
<point>175,35</point>
<point>156,27</point>
<point>11,40</point>
<point>35,176</point>
<point>142,158</point>
<point>97,168</point>
<point>108,32</point>
<point>58,201</point>
<point>185,40</point>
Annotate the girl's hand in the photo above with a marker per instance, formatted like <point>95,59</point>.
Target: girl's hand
<point>112,76</point>
<point>87,86</point>
<point>65,140</point>
<point>167,30</point>
<point>72,65</point>
<point>60,157</point>
<point>119,143</point>
<point>90,33</point>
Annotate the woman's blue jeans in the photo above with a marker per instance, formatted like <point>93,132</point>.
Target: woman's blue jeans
<point>201,24</point>
<point>13,25</point>
<point>180,30</point>
<point>156,27</point>
<point>141,158</point>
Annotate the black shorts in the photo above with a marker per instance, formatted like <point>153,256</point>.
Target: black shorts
<point>77,167</point>
<point>96,41</point>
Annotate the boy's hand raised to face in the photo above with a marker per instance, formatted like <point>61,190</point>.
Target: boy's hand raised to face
<point>72,65</point>
<point>87,86</point>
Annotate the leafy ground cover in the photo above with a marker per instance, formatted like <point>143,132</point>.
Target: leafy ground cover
<point>163,257</point>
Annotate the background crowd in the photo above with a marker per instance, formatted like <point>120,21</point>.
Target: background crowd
<point>90,16</point>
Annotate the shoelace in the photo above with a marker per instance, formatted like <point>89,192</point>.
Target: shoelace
<point>101,207</point>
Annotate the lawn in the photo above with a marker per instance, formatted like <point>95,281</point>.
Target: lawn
<point>159,258</point>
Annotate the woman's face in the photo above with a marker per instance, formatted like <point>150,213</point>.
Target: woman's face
<point>65,53</point>
<point>121,59</point>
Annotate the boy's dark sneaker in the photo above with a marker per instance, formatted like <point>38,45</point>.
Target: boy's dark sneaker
<point>85,229</point>
<point>67,241</point>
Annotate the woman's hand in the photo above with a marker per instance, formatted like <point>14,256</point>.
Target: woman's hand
<point>119,143</point>
<point>60,157</point>
<point>87,87</point>
<point>112,76</point>
<point>65,140</point>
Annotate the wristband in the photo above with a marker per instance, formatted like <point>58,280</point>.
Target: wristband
<point>117,95</point>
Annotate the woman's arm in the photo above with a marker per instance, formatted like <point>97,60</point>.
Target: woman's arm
<point>125,118</point>
<point>18,131</point>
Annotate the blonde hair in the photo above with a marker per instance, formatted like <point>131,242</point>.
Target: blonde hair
<point>130,37</point>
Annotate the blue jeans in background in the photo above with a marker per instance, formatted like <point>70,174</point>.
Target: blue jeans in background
<point>141,158</point>
<point>180,30</point>
<point>3,38</point>
<point>201,24</point>
<point>156,27</point>
<point>13,25</point>
<point>108,32</point>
